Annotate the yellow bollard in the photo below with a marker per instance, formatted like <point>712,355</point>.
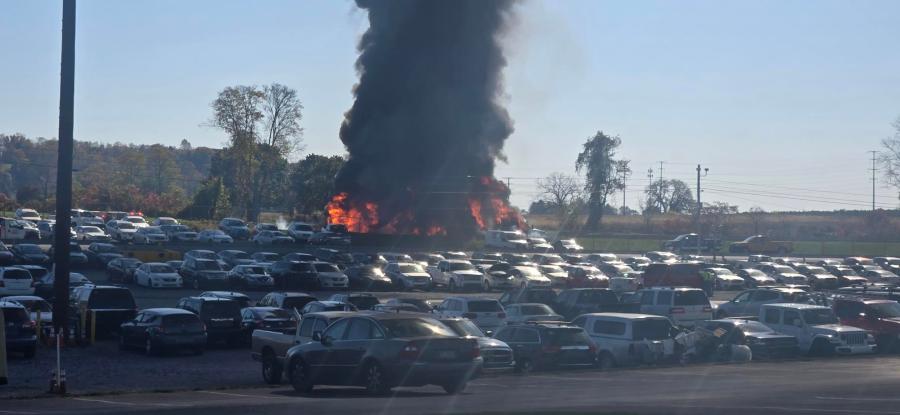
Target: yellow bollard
<point>93,326</point>
<point>39,327</point>
<point>3,378</point>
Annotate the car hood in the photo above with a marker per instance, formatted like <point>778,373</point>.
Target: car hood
<point>467,272</point>
<point>824,277</point>
<point>128,230</point>
<point>835,329</point>
<point>764,336</point>
<point>332,274</point>
<point>491,343</point>
<point>415,274</point>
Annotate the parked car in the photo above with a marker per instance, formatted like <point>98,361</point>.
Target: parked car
<point>203,273</point>
<point>385,350</point>
<point>408,276</point>
<point>888,263</point>
<point>179,233</point>
<point>542,295</point>
<point>626,339</point>
<point>28,214</point>
<point>267,318</point>
<point>242,299</point>
<point>38,308</point>
<point>158,330</point>
<point>150,235</point>
<point>15,281</point>
<point>21,335</point>
<point>764,343</point>
<point>486,313</point>
<point>137,221</point>
<point>300,231</point>
<point>539,245</point>
<point>265,257</point>
<point>522,313</point>
<point>288,274</point>
<point>725,279</point>
<point>497,355</point>
<point>221,316</point>
<point>684,306</point>
<point>513,240</point>
<point>881,276</point>
<point>110,305</point>
<point>638,263</point>
<point>121,230</point>
<point>818,277</point>
<point>272,238</point>
<point>671,274</point>
<point>846,276</point>
<point>99,254</point>
<point>77,258</point>
<point>880,317</point>
<point>300,257</point>
<point>549,346</point>
<point>525,276</point>
<point>817,329</point>
<point>567,245</point>
<point>91,234</point>
<point>574,302</point>
<point>691,242</point>
<point>748,303</point>
<point>43,285</point>
<point>585,276</point>
<point>157,275</point>
<point>286,300</point>
<point>362,301</point>
<point>421,306</point>
<point>791,278</point>
<point>201,254</point>
<point>214,236</point>
<point>235,228</point>
<point>325,305</point>
<point>270,347</point>
<point>29,254</point>
<point>456,274</point>
<point>558,277</point>
<point>368,277</point>
<point>661,256</point>
<point>122,269</point>
<point>233,257</point>
<point>330,276</point>
<point>165,221</point>
<point>755,278</point>
<point>760,244</point>
<point>250,277</point>
<point>426,259</point>
<point>6,256</point>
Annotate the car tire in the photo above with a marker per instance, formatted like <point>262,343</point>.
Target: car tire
<point>374,380</point>
<point>451,286</point>
<point>150,349</point>
<point>271,371</point>
<point>300,380</point>
<point>524,366</point>
<point>454,388</point>
<point>821,348</point>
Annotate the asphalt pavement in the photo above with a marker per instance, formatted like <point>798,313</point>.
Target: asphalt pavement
<point>865,385</point>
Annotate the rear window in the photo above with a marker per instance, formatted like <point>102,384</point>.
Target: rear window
<point>217,309</point>
<point>301,267</point>
<point>691,297</point>
<point>326,268</point>
<point>275,313</point>
<point>535,309</point>
<point>296,302</point>
<point>567,337</point>
<point>484,306</point>
<point>16,274</point>
<point>184,321</point>
<point>416,327</point>
<point>652,329</point>
<point>15,315</point>
<point>364,303</point>
<point>111,298</point>
<point>597,297</point>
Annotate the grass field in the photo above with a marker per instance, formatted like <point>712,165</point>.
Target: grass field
<point>801,248</point>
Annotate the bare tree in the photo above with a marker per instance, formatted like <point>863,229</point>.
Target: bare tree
<point>889,157</point>
<point>283,112</point>
<point>666,196</point>
<point>559,189</point>
<point>756,215</point>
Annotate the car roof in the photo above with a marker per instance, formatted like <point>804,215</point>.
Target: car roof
<point>197,297</point>
<point>166,311</point>
<point>22,297</point>
<point>626,316</point>
<point>226,294</point>
<point>797,306</point>
<point>10,304</point>
<point>293,294</point>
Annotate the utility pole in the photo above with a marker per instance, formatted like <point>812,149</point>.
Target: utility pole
<point>625,174</point>
<point>64,170</point>
<point>874,153</point>
<point>660,171</point>
<point>699,207</point>
<point>650,179</point>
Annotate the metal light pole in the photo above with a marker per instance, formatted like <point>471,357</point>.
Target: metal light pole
<point>64,170</point>
<point>699,207</point>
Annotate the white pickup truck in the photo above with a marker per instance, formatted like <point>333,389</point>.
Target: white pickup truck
<point>456,274</point>
<point>270,347</point>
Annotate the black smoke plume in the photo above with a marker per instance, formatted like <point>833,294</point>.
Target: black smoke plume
<point>426,126</point>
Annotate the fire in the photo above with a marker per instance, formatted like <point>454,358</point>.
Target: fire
<point>485,207</point>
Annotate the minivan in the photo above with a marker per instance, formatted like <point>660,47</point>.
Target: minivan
<point>683,306</point>
<point>15,281</point>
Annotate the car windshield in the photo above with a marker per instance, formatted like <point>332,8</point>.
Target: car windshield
<point>208,265</point>
<point>464,327</point>
<point>111,298</point>
<point>691,297</point>
<point>303,228</point>
<point>651,329</point>
<point>551,269</point>
<point>461,266</point>
<point>416,327</point>
<point>90,229</point>
<point>29,249</point>
<point>320,267</point>
<point>254,270</point>
<point>162,269</point>
<point>816,270</point>
<point>485,306</point>
<point>411,268</point>
<point>817,316</point>
<point>535,309</point>
<point>125,225</point>
<point>296,302</point>
<point>220,309</point>
<point>885,310</point>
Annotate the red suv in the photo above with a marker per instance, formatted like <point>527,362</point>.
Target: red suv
<point>880,317</point>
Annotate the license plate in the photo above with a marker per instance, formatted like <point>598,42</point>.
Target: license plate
<point>447,354</point>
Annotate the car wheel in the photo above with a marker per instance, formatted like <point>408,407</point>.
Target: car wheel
<point>821,348</point>
<point>149,348</point>
<point>454,388</point>
<point>196,283</point>
<point>452,286</point>
<point>524,366</point>
<point>375,381</point>
<point>606,361</point>
<point>300,380</point>
<point>271,371</point>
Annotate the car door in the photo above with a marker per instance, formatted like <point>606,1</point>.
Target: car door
<point>350,352</point>
<point>760,298</point>
<point>131,328</point>
<point>527,344</point>
<point>787,327</point>
<point>323,361</point>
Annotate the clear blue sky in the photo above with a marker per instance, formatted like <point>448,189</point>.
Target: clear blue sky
<point>780,99</point>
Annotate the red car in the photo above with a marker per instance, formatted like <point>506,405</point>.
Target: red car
<point>879,317</point>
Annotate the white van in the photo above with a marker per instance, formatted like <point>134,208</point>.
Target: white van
<point>505,240</point>
<point>684,306</point>
<point>15,281</point>
<point>629,339</point>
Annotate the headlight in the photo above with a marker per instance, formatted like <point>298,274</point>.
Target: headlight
<point>870,338</point>
<point>752,340</point>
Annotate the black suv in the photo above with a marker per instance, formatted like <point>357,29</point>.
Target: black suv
<point>577,301</point>
<point>548,346</point>
<point>110,305</point>
<point>21,335</point>
<point>293,274</point>
<point>286,300</point>
<point>203,273</point>
<point>221,316</point>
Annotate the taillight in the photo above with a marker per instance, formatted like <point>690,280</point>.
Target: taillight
<point>410,352</point>
<point>470,316</point>
<point>501,315</point>
<point>551,349</point>
<point>476,351</point>
<point>676,310</point>
<point>30,324</point>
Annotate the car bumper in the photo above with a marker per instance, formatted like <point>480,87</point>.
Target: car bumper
<point>431,373</point>
<point>855,349</point>
<point>508,283</point>
<point>165,284</point>
<point>197,340</point>
<point>333,284</point>
<point>21,343</point>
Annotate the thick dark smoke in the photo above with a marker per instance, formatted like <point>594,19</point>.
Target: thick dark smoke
<point>426,125</point>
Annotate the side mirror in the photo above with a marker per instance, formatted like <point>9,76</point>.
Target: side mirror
<point>317,336</point>
<point>325,340</point>
<point>798,322</point>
